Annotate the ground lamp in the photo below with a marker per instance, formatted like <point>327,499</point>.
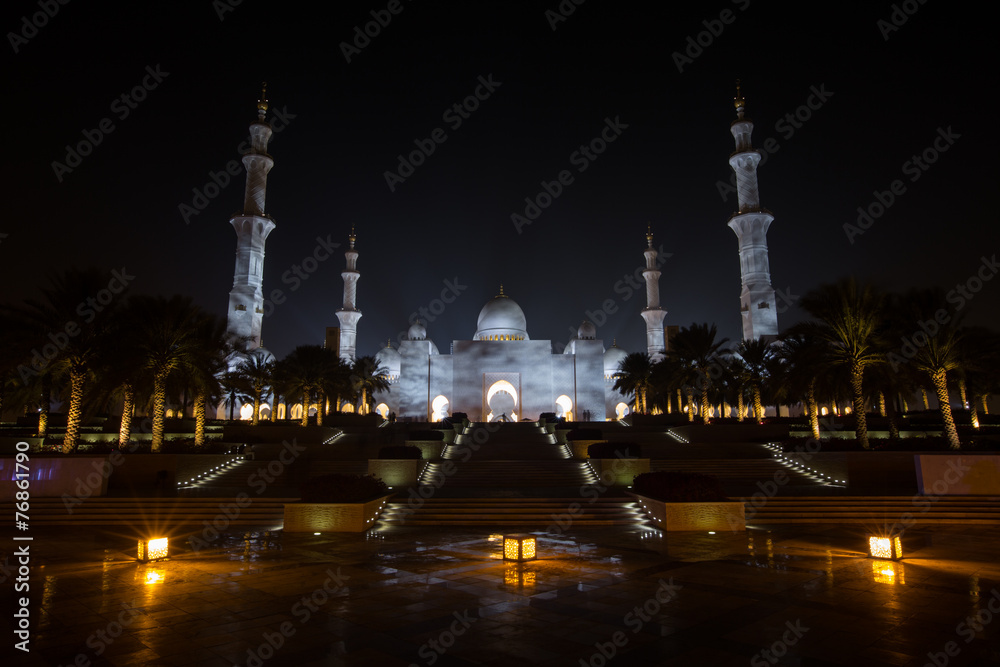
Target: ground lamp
<point>519,547</point>
<point>150,550</point>
<point>887,548</point>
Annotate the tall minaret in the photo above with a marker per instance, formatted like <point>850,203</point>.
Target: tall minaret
<point>349,314</point>
<point>652,313</point>
<point>757,305</point>
<point>246,301</point>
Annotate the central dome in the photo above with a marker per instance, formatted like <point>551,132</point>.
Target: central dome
<point>501,319</point>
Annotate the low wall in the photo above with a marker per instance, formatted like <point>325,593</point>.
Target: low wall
<point>396,472</point>
<point>430,449</point>
<point>619,472</point>
<point>332,517</point>
<point>53,476</point>
<point>751,432</point>
<point>159,474</point>
<point>958,474</point>
<point>700,516</point>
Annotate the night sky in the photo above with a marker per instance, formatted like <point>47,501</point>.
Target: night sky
<point>882,101</point>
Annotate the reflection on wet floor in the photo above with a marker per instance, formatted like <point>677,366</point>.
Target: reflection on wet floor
<point>376,598</point>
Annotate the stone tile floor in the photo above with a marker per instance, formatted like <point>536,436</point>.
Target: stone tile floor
<point>412,596</point>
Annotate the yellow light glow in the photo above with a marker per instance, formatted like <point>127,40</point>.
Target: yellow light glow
<point>888,572</point>
<point>889,548</point>
<point>153,577</point>
<point>152,549</point>
<point>519,547</point>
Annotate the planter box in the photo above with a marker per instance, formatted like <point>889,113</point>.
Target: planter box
<point>619,472</point>
<point>701,516</point>
<point>333,517</point>
<point>396,472</point>
<point>561,435</point>
<point>430,449</point>
<point>580,447</point>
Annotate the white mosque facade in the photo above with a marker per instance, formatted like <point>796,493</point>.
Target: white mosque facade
<point>500,373</point>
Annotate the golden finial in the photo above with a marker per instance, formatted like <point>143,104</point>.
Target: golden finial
<point>649,234</point>
<point>352,237</point>
<point>501,295</point>
<point>388,342</point>
<point>262,102</point>
<point>614,342</point>
<point>738,101</point>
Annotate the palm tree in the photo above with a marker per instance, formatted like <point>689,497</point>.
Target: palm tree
<point>634,377</point>
<point>70,329</point>
<point>806,355</point>
<point>850,318</point>
<point>755,355</point>
<point>304,373</point>
<point>695,347</point>
<point>368,377</point>
<point>233,392</point>
<point>257,373</point>
<point>170,335</point>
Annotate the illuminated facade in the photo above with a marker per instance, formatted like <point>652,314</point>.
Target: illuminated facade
<point>757,304</point>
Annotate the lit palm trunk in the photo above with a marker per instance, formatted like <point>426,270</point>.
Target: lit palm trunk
<point>740,407</point>
<point>305,409</point>
<point>923,394</point>
<point>940,380</point>
<point>77,379</point>
<point>973,414</point>
<point>690,404</point>
<point>159,409</point>
<point>128,407</point>
<point>961,392</point>
<point>704,397</point>
<point>256,408</point>
<point>986,405</point>
<point>758,406</point>
<point>881,404</point>
<point>199,419</point>
<point>813,409</point>
<point>861,421</point>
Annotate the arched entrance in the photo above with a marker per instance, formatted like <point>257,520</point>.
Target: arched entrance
<point>564,407</point>
<point>440,407</point>
<point>501,401</point>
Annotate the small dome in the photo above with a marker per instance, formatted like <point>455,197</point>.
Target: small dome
<point>417,331</point>
<point>389,359</point>
<point>587,331</point>
<point>612,359</point>
<point>501,319</point>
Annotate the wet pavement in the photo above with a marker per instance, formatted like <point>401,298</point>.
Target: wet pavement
<point>417,596</point>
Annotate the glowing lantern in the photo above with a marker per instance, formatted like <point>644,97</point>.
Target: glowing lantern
<point>519,547</point>
<point>152,549</point>
<point>887,548</point>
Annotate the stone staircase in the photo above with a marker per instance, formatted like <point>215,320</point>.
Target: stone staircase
<point>876,511</point>
<point>554,514</point>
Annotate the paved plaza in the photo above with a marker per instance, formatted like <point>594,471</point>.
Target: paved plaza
<point>619,595</point>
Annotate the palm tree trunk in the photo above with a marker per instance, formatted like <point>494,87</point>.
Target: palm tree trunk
<point>77,378</point>
<point>704,398</point>
<point>128,407</point>
<point>973,413</point>
<point>906,408</point>
<point>961,392</point>
<point>861,421</point>
<point>690,397</point>
<point>881,404</point>
<point>893,426</point>
<point>159,409</point>
<point>305,409</point>
<point>320,409</point>
<point>940,380</point>
<point>199,418</point>
<point>232,406</point>
<point>813,408</point>
<point>363,407</point>
<point>927,405</point>
<point>43,406</point>
<point>256,408</point>
<point>986,404</point>
<point>740,407</point>
<point>758,408</point>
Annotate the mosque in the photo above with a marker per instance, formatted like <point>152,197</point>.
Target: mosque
<point>501,373</point>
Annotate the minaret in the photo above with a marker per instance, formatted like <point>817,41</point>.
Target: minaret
<point>349,314</point>
<point>652,313</point>
<point>757,305</point>
<point>246,301</point>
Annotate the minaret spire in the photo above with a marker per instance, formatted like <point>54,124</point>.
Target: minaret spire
<point>652,313</point>
<point>349,313</point>
<point>757,303</point>
<point>246,300</point>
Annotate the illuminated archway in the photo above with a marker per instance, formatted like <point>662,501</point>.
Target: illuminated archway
<point>383,410</point>
<point>246,412</point>
<point>440,406</point>
<point>564,407</point>
<point>621,410</point>
<point>347,407</point>
<point>501,399</point>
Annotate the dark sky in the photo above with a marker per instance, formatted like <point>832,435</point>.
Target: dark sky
<point>885,101</point>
